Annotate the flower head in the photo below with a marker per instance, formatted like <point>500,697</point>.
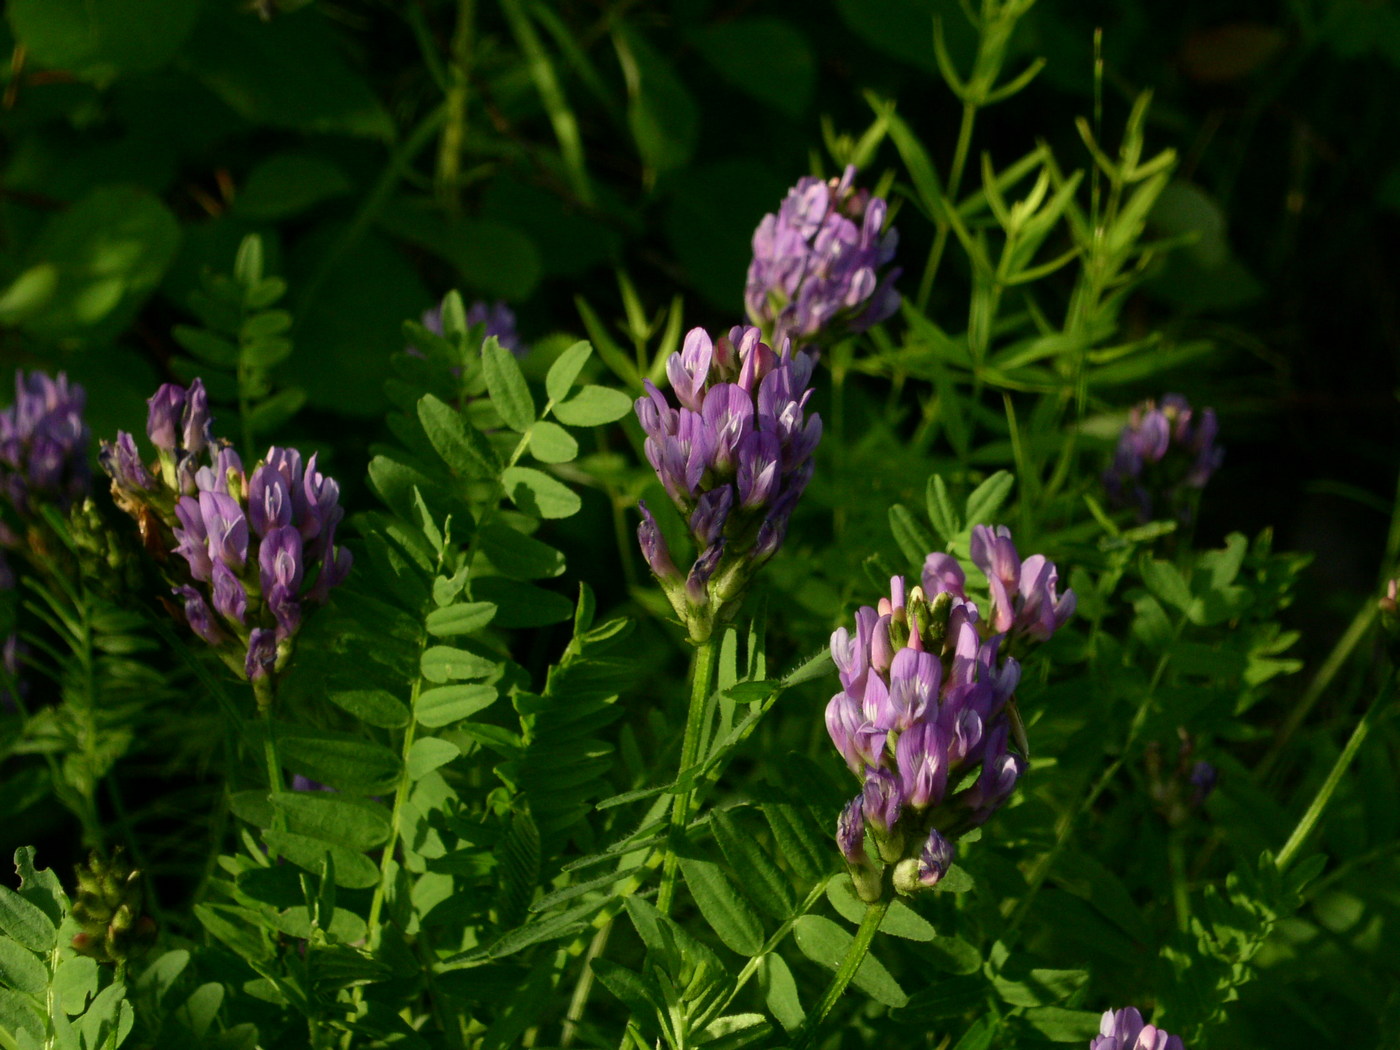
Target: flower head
<point>734,454</point>
<point>923,717</point>
<point>816,264</point>
<point>1124,1030</point>
<point>1166,454</point>
<point>43,444</point>
<point>255,547</point>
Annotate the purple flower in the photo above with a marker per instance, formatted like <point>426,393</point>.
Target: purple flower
<point>1024,594</point>
<point>923,717</point>
<point>281,518</point>
<point>1166,453</point>
<point>734,454</point>
<point>1202,780</point>
<point>43,444</point>
<point>1124,1030</point>
<point>815,274</point>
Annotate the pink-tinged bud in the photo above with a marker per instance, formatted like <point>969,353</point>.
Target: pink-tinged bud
<point>689,370</point>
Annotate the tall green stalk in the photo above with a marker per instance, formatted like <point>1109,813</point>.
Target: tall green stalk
<point>702,678</point>
<point>1329,786</point>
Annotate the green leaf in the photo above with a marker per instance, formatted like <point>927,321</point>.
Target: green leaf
<point>98,39</point>
<point>780,992</point>
<point>22,970</point>
<point>593,406</point>
<point>940,509</point>
<point>338,760</point>
<point>1165,581</point>
<point>353,871</point>
<point>661,113</point>
<point>915,541</point>
<point>517,556</point>
<point>764,882</point>
<point>110,251</point>
<point>826,943</point>
<point>376,707</point>
<point>523,604</point>
<point>108,1018</point>
<point>639,994</point>
<point>766,58</point>
<point>462,447</point>
<point>452,703</point>
<point>20,1014</point>
<point>466,618</point>
<point>551,443</point>
<point>356,824</point>
<point>565,369</point>
<point>809,855</point>
<point>987,498</point>
<point>738,928</point>
<point>429,753</point>
<point>25,922</point>
<point>286,72</point>
<point>40,886</point>
<point>442,663</point>
<point>75,982</point>
<point>288,183</point>
<point>900,921</point>
<point>1064,1026</point>
<point>540,495</point>
<point>505,383</point>
<point>206,346</point>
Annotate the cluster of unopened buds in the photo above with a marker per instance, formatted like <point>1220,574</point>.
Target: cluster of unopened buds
<point>816,270</point>
<point>734,457</point>
<point>1166,453</point>
<point>925,717</point>
<point>256,546</point>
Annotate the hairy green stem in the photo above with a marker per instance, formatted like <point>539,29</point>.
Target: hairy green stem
<point>1329,786</point>
<point>702,677</point>
<point>855,955</point>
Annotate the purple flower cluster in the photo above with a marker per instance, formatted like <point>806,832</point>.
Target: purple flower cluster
<point>816,263</point>
<point>257,546</point>
<point>43,444</point>
<point>923,717</point>
<point>1166,452</point>
<point>734,457</point>
<point>1124,1030</point>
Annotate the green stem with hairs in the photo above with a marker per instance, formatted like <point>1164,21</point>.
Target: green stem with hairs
<point>702,678</point>
<point>855,955</point>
